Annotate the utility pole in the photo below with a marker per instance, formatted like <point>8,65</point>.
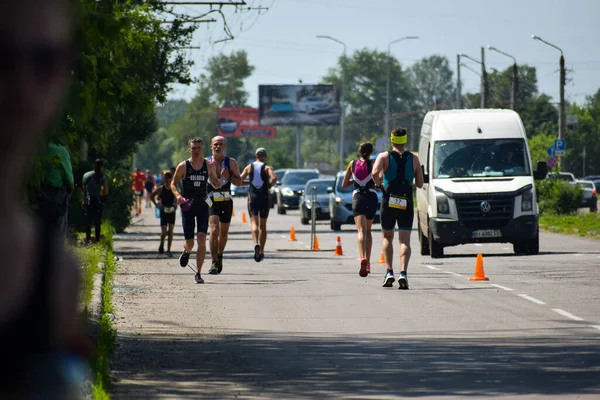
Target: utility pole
<point>513,89</point>
<point>458,86</point>
<point>298,147</point>
<point>561,110</point>
<point>485,92</point>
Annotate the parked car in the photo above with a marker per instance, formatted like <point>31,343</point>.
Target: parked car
<point>240,191</point>
<point>292,187</point>
<point>593,178</point>
<point>312,105</point>
<point>275,188</point>
<point>589,195</point>
<point>321,206</point>
<point>340,204</point>
<point>563,176</point>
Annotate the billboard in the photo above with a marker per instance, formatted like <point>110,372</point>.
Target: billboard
<point>237,122</point>
<point>298,105</point>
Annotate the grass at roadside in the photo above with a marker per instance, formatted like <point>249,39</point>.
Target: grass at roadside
<point>580,224</point>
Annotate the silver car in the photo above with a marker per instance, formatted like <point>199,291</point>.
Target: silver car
<point>589,195</point>
<point>340,204</point>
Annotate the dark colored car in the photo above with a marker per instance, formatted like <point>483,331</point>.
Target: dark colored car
<point>275,188</point>
<point>323,188</point>
<point>239,191</point>
<point>292,187</point>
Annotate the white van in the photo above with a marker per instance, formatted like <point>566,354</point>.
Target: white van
<point>479,181</point>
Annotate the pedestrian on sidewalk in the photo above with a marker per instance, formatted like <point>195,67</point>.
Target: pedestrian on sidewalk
<point>195,173</point>
<point>95,192</point>
<point>149,186</point>
<point>221,210</point>
<point>364,202</point>
<point>167,206</point>
<point>138,187</point>
<point>394,173</point>
<point>262,178</point>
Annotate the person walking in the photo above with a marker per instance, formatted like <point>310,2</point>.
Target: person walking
<point>261,178</point>
<point>194,173</point>
<point>167,206</point>
<point>364,202</point>
<point>95,191</point>
<point>139,183</point>
<point>149,186</point>
<point>394,173</point>
<point>221,210</point>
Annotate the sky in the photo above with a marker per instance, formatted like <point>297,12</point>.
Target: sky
<point>282,46</point>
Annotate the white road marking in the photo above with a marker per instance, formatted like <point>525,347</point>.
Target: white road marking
<point>578,255</point>
<point>532,299</point>
<point>502,287</point>
<point>567,314</point>
<point>452,273</point>
<point>596,326</point>
<point>478,244</point>
<point>430,267</point>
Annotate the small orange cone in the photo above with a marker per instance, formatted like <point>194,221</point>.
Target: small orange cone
<point>382,259</point>
<point>292,235</point>
<point>316,243</point>
<point>244,220</point>
<point>479,272</point>
<point>232,212</point>
<point>338,247</point>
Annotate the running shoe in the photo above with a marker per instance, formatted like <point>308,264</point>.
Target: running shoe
<point>214,268</point>
<point>368,268</point>
<point>198,278</point>
<point>169,254</point>
<point>261,256</point>
<point>257,253</point>
<point>161,249</point>
<point>220,266</point>
<point>403,281</point>
<point>184,258</point>
<point>363,268</point>
<point>389,279</point>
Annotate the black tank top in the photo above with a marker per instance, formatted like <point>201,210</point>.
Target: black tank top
<point>167,198</point>
<point>399,186</point>
<point>195,181</point>
<point>264,189</point>
<point>225,164</point>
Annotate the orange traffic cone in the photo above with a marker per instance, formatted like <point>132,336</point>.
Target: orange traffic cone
<point>338,247</point>
<point>232,212</point>
<point>316,243</point>
<point>292,235</point>
<point>382,259</point>
<point>244,220</point>
<point>479,272</point>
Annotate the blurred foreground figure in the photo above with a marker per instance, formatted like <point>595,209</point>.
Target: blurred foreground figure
<point>39,324</point>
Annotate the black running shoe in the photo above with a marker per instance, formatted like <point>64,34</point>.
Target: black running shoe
<point>214,268</point>
<point>161,249</point>
<point>220,266</point>
<point>198,278</point>
<point>257,253</point>
<point>184,258</point>
<point>403,281</point>
<point>389,279</point>
<point>261,256</point>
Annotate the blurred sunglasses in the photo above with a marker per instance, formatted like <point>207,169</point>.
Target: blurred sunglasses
<point>44,60</point>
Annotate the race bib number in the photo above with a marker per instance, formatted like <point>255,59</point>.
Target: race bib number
<point>169,210</point>
<point>209,201</point>
<point>398,202</point>
<point>218,196</point>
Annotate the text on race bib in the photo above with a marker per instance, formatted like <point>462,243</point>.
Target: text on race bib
<point>398,202</point>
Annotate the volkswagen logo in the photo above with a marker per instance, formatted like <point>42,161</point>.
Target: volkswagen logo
<point>485,206</point>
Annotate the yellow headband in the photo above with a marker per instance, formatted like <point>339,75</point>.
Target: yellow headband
<point>398,139</point>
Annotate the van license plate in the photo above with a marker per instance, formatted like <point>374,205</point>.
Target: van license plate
<point>487,233</point>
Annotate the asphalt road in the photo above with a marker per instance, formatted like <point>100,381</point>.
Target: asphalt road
<point>303,324</point>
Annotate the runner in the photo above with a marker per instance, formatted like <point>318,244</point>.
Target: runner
<point>364,202</point>
<point>397,169</point>
<point>167,206</point>
<point>149,186</point>
<point>139,180</point>
<point>194,173</point>
<point>222,205</point>
<point>262,177</point>
<point>95,190</point>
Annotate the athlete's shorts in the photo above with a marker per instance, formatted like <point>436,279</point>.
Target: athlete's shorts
<point>167,218</point>
<point>365,204</point>
<point>196,215</point>
<point>258,205</point>
<point>223,210</point>
<point>149,187</point>
<point>391,216</point>
<point>138,192</point>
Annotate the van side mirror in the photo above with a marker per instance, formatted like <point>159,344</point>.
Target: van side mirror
<point>541,170</point>
<point>425,176</point>
<point>329,189</point>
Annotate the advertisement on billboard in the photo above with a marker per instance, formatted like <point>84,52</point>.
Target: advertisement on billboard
<point>298,105</point>
<point>237,122</point>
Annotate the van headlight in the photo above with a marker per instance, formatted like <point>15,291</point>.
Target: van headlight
<point>443,207</point>
<point>339,200</point>
<point>527,200</point>
<point>287,192</point>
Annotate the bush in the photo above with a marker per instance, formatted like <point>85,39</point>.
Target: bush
<point>558,197</point>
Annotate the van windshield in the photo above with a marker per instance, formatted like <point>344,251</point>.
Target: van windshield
<point>480,158</point>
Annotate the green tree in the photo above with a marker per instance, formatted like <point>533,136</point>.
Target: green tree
<point>433,86</point>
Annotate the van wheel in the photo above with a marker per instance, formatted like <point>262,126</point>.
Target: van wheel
<point>303,220</point>
<point>423,242</point>
<point>528,247</point>
<point>436,250</point>
<point>335,226</point>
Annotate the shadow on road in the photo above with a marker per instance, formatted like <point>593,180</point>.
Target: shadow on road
<point>287,366</point>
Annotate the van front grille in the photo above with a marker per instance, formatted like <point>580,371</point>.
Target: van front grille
<point>474,213</point>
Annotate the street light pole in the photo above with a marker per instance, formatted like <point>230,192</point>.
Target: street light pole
<point>561,108</point>
<point>387,83</point>
<point>342,99</point>
<point>513,89</point>
<point>484,81</point>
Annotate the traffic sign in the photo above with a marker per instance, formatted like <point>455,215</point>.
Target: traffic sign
<point>550,151</point>
<point>560,144</point>
<point>551,162</point>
